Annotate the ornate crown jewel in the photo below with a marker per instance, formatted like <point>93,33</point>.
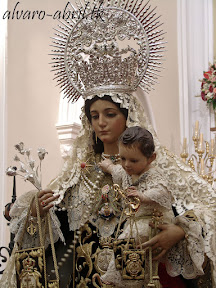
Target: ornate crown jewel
<point>114,52</point>
<point>28,263</point>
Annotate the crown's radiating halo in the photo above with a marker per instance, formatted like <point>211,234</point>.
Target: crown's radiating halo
<point>89,54</point>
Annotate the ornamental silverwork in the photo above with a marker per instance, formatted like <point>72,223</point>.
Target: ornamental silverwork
<point>27,170</point>
<point>117,52</point>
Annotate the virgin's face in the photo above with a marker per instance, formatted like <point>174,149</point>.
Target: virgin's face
<point>107,121</point>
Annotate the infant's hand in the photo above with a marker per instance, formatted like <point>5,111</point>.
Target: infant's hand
<point>132,192</point>
<point>106,165</point>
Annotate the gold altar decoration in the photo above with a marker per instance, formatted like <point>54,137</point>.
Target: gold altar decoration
<point>203,159</point>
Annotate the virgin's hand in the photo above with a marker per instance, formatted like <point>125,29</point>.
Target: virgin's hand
<point>45,200</point>
<point>170,235</point>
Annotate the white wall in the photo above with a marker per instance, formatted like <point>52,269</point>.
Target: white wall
<point>33,99</point>
<point>164,98</point>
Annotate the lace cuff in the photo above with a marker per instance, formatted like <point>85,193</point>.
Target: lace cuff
<point>159,195</point>
<point>18,215</point>
<point>187,256</point>
<point>117,172</point>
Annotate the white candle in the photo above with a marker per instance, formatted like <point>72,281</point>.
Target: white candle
<point>201,142</point>
<point>197,126</point>
<point>212,147</point>
<point>202,165</point>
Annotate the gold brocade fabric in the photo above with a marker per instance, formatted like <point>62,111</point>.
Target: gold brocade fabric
<point>30,267</point>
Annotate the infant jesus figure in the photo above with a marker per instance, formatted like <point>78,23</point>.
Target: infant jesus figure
<point>140,179</point>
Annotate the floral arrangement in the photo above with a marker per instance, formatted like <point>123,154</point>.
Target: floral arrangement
<point>208,86</point>
<point>28,170</point>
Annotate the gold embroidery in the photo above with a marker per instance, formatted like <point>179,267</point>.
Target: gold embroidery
<point>133,264</point>
<point>30,267</point>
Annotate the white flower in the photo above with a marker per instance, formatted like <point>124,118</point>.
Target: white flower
<point>23,169</point>
<point>27,152</point>
<point>32,163</point>
<point>20,148</point>
<point>41,153</point>
<point>16,158</point>
<point>11,171</point>
<point>30,178</point>
<point>27,169</point>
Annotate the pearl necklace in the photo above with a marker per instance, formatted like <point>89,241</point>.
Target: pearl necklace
<point>114,158</point>
<point>93,189</point>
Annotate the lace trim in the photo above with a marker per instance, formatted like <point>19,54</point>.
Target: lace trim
<point>178,260</point>
<point>8,279</point>
<point>152,185</point>
<point>18,215</point>
<point>117,175</point>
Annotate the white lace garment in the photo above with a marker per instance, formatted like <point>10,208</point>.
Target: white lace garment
<point>152,185</point>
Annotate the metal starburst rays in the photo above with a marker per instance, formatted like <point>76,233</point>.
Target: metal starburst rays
<point>147,19</point>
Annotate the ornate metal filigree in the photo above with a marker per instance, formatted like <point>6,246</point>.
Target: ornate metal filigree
<point>119,246</point>
<point>28,169</point>
<point>133,203</point>
<point>116,50</point>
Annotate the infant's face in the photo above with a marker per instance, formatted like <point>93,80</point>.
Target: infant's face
<point>132,160</point>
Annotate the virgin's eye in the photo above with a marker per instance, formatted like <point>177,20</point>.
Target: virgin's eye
<point>111,115</point>
<point>94,116</point>
<point>134,160</point>
<point>122,159</point>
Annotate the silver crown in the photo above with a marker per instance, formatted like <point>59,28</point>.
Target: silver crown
<point>106,70</point>
<point>116,51</point>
